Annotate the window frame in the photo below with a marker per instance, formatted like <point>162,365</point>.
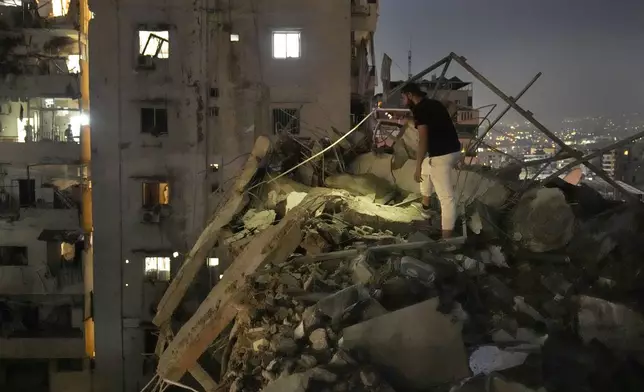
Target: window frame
<point>157,274</point>
<point>159,184</point>
<point>164,130</point>
<point>297,117</point>
<point>151,36</point>
<point>286,32</point>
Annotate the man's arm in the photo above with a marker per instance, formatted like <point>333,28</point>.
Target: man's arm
<point>421,150</point>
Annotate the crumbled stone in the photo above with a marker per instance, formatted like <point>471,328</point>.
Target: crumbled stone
<point>261,344</point>
<point>307,361</point>
<point>318,339</point>
<point>321,374</point>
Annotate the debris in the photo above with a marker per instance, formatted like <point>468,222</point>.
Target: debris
<point>254,220</point>
<point>319,340</point>
<point>614,325</point>
<point>345,290</point>
<point>542,220</point>
<point>234,201</point>
<point>488,359</point>
<point>415,346</point>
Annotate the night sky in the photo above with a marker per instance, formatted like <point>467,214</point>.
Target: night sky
<point>591,52</point>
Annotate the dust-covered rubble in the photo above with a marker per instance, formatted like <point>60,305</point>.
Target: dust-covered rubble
<point>541,293</point>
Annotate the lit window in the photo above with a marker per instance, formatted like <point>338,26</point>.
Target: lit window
<point>73,63</point>
<point>155,194</point>
<point>155,44</point>
<point>59,7</point>
<point>213,261</point>
<point>157,268</point>
<point>234,38</point>
<point>625,152</point>
<point>286,44</point>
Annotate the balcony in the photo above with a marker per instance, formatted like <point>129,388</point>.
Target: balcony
<point>468,117</point>
<point>43,151</point>
<point>55,86</point>
<point>42,348</point>
<point>364,17</point>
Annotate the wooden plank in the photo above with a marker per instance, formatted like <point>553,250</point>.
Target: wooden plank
<point>219,309</point>
<point>203,378</point>
<point>234,203</point>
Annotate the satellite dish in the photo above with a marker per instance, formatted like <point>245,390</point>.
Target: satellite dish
<point>574,176</point>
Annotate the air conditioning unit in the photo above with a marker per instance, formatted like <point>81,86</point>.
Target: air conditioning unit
<point>151,217</point>
<point>145,62</point>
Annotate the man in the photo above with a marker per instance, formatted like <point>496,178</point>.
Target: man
<point>69,135</point>
<point>437,153</point>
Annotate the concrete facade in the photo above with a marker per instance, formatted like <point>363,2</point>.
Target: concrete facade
<point>170,123</point>
<point>45,253</point>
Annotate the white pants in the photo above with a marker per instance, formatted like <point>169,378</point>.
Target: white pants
<point>437,175</point>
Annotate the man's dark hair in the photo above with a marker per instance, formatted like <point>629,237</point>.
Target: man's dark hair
<point>413,89</point>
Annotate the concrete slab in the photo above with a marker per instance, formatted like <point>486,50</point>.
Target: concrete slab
<point>414,348</point>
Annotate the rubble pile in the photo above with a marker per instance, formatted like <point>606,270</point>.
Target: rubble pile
<point>342,288</point>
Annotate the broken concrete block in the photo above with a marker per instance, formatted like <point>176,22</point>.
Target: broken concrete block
<point>416,269</point>
<point>488,359</point>
<point>379,190</point>
<point>314,243</point>
<point>494,255</point>
<point>323,375</point>
<point>362,272</point>
<point>360,212</point>
<point>307,361</point>
<point>615,325</point>
<point>335,305</point>
<point>415,348</point>
<point>298,382</point>
<point>318,339</point>
<point>471,184</point>
<point>261,344</point>
<point>542,220</point>
<point>254,220</point>
<point>294,199</point>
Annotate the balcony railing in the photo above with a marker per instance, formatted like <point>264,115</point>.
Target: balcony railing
<point>360,10</point>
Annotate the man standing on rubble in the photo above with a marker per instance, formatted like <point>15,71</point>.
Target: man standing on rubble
<point>437,153</point>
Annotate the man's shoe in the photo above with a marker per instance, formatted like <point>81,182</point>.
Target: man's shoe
<point>425,212</point>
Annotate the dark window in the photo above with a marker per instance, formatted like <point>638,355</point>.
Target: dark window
<point>470,102</point>
<point>13,255</point>
<point>154,121</point>
<point>150,341</point>
<point>69,365</point>
<point>27,192</point>
<point>286,121</point>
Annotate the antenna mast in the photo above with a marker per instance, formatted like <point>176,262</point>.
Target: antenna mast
<point>409,75</point>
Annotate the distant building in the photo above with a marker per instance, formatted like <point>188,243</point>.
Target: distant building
<point>629,166</point>
<point>492,159</point>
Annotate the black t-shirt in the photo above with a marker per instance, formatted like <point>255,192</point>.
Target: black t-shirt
<point>442,137</point>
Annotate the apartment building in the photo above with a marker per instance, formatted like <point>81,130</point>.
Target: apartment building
<point>179,92</point>
<point>628,164</point>
<point>46,334</point>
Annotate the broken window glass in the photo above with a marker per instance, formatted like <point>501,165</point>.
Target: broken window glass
<point>155,44</point>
